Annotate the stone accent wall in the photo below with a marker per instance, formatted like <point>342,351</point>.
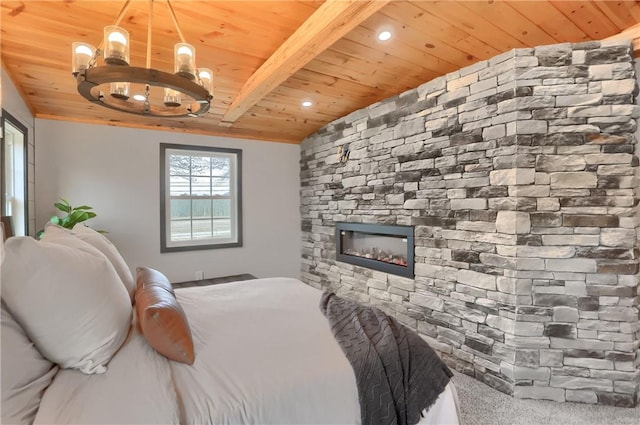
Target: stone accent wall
<point>520,176</point>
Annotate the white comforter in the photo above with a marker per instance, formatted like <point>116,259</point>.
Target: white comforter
<point>136,389</point>
<point>264,355</point>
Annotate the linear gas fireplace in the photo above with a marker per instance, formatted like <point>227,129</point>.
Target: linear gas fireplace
<point>380,247</point>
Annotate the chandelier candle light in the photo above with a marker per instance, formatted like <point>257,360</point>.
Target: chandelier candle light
<point>186,93</point>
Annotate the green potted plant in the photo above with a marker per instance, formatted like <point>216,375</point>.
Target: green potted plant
<point>74,215</point>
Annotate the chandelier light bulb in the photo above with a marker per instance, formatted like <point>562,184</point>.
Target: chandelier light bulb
<point>82,54</point>
<point>118,43</point>
<point>119,90</point>
<point>83,50</point>
<point>184,50</point>
<point>117,37</point>
<point>172,97</point>
<point>206,78</point>
<point>185,60</point>
<point>116,50</point>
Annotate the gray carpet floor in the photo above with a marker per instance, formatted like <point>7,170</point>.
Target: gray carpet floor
<point>482,405</point>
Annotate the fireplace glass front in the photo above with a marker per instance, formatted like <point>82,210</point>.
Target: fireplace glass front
<point>380,247</point>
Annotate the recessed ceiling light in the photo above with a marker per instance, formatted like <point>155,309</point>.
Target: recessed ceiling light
<point>306,103</point>
<point>384,35</point>
<point>139,97</point>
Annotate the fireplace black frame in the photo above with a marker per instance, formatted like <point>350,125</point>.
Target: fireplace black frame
<point>378,229</point>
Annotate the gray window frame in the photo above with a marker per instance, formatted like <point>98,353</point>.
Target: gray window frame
<point>4,118</point>
<point>164,193</point>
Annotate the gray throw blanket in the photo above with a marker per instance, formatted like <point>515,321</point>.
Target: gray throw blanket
<point>398,374</point>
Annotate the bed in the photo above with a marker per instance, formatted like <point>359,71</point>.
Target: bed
<point>264,354</point>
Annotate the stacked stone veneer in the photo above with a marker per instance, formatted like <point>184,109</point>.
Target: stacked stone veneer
<point>519,175</point>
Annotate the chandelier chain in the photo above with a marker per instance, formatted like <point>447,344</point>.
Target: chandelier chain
<point>147,103</point>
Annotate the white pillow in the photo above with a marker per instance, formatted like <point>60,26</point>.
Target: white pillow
<point>68,299</point>
<point>24,375</point>
<point>99,242</point>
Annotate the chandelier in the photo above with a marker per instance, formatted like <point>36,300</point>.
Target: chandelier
<point>186,92</point>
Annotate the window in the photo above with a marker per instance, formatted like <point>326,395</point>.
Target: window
<point>201,197</point>
<point>13,155</point>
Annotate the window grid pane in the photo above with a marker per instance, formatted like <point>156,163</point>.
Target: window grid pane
<point>180,230</point>
<point>202,229</point>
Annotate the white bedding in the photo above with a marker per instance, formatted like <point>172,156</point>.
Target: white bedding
<point>136,389</point>
<point>264,354</point>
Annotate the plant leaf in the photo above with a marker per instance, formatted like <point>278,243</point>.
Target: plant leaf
<point>91,214</point>
<point>78,216</point>
<point>55,219</point>
<point>83,207</point>
<point>62,207</point>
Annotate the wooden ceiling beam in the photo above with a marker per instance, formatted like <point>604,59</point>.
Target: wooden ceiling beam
<point>329,23</point>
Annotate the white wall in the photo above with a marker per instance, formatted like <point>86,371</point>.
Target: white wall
<point>12,102</point>
<point>116,171</point>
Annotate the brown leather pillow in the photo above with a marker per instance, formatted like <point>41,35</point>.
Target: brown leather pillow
<point>146,276</point>
<point>161,318</point>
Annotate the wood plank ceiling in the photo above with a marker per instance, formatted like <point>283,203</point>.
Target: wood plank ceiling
<point>268,56</point>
